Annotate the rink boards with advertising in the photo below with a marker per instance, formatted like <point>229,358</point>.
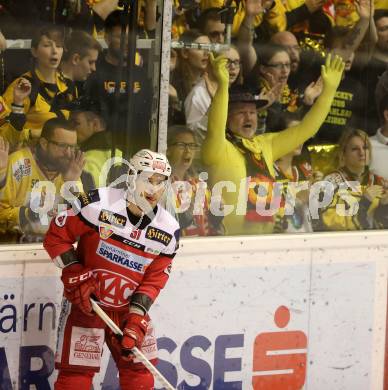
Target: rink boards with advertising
<point>273,312</point>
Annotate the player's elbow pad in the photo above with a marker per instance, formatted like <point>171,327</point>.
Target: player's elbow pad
<point>141,301</point>
<point>66,259</point>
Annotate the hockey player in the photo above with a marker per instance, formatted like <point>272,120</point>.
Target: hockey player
<point>124,254</point>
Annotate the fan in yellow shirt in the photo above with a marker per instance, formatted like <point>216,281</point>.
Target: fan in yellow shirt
<point>50,92</point>
<point>34,178</point>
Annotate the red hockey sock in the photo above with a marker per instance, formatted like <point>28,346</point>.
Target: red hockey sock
<point>136,379</point>
<point>73,380</point>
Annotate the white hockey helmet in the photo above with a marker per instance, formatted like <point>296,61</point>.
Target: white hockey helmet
<point>146,160</point>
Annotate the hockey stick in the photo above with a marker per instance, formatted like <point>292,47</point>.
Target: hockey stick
<point>116,330</point>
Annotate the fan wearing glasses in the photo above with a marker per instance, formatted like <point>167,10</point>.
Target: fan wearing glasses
<point>271,73</point>
<point>34,178</point>
<point>181,152</point>
<point>272,69</point>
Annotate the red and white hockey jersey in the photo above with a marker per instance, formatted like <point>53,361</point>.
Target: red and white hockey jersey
<point>123,258</point>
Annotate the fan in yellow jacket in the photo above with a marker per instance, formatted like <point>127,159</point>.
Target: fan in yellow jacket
<point>35,177</point>
<point>46,102</point>
<point>5,110</point>
<point>12,117</point>
<point>244,154</point>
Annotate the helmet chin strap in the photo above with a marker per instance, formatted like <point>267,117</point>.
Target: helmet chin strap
<point>137,186</point>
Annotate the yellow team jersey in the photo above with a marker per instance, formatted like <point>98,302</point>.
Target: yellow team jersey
<point>22,174</point>
<point>348,209</point>
<point>14,137</point>
<point>41,109</point>
<point>4,108</point>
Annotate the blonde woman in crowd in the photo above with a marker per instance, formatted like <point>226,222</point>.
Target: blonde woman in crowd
<point>357,191</point>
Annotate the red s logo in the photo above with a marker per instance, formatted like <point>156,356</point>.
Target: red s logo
<point>279,358</point>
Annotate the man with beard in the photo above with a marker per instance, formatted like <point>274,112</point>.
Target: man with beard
<point>34,179</point>
<point>101,85</point>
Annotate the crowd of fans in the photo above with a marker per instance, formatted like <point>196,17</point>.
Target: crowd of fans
<point>284,131</point>
<point>62,116</point>
<point>314,158</point>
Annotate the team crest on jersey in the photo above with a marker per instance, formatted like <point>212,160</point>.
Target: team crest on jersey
<point>158,235</point>
<point>112,218</point>
<point>115,289</point>
<point>21,168</point>
<point>87,198</point>
<point>60,219</point>
<point>105,231</point>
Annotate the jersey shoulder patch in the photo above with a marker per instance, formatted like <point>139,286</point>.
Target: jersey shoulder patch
<point>159,235</point>
<point>86,198</point>
<point>104,206</point>
<point>112,218</point>
<point>163,232</point>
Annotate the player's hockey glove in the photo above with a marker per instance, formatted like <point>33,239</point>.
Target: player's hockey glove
<point>134,331</point>
<point>79,284</point>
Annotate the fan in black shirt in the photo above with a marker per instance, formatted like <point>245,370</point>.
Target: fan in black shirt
<point>101,86</point>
